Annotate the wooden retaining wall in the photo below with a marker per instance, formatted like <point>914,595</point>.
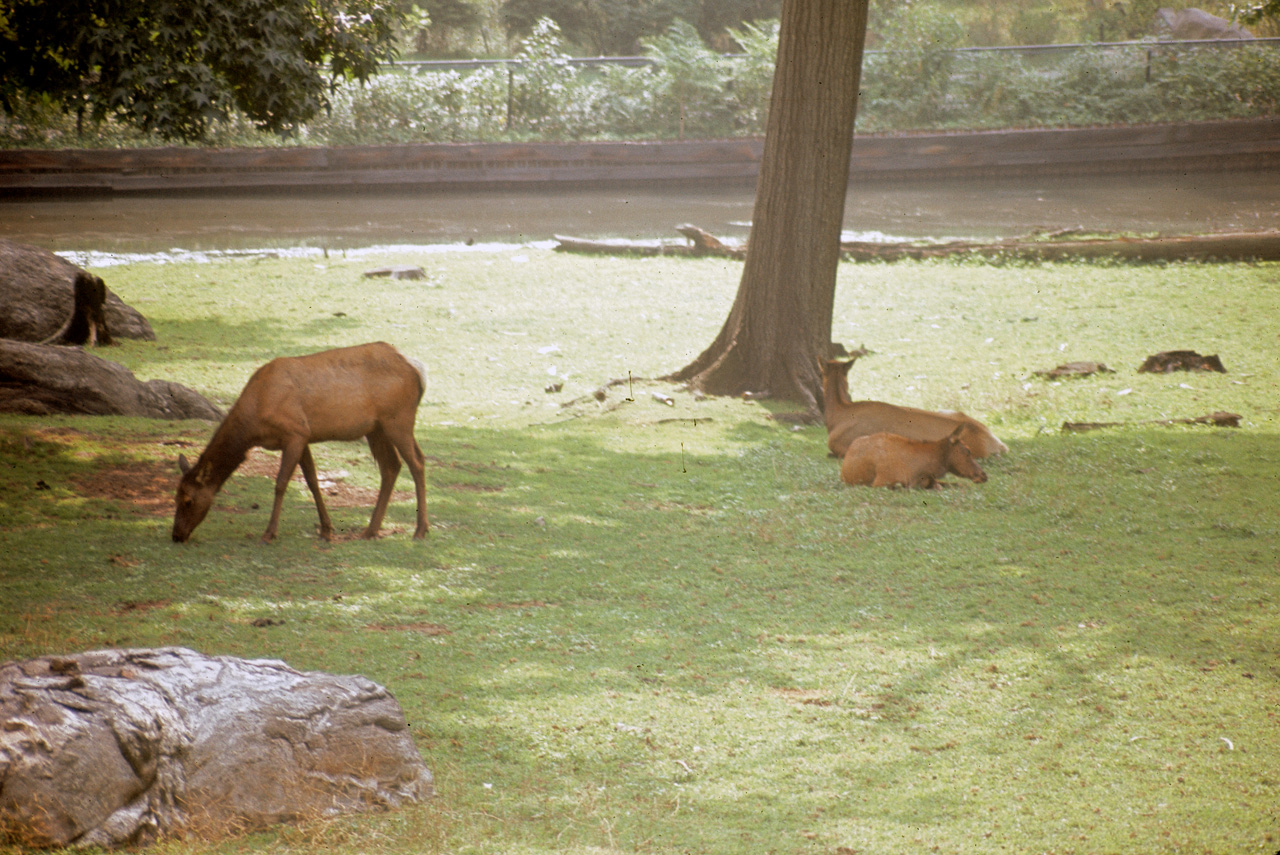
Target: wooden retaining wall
<point>1226,145</point>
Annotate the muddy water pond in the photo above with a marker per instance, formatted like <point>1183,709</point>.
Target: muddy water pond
<point>1166,203</point>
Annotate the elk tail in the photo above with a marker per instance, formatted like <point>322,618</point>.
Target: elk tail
<point>422,374</point>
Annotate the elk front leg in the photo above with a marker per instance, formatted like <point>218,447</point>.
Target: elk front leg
<point>290,456</point>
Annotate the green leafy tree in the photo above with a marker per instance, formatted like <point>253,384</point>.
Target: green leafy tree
<point>1114,22</point>
<point>458,14</point>
<point>605,27</point>
<point>619,27</point>
<point>913,70</point>
<point>715,19</point>
<point>175,67</point>
<point>752,76</point>
<point>545,80</point>
<point>444,27</point>
<point>1256,13</point>
<point>583,22</point>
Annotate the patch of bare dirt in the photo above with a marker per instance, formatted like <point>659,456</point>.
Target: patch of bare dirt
<point>126,606</point>
<point>473,488</point>
<point>146,487</point>
<point>806,696</point>
<point>419,627</point>
<point>527,604</point>
<point>337,492</point>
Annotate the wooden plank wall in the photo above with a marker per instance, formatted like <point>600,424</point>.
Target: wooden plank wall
<point>1243,144</point>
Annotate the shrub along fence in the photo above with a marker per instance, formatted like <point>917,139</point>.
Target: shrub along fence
<point>542,95</point>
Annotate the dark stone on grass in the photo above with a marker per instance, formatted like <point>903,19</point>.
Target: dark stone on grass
<point>1218,418</point>
<point>38,379</point>
<point>397,272</point>
<point>126,747</point>
<point>1180,360</point>
<point>1195,24</point>
<point>1075,369</point>
<point>37,295</point>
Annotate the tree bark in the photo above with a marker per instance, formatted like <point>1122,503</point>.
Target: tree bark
<point>780,323</point>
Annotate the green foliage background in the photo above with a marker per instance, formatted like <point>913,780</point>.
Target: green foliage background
<point>915,79</point>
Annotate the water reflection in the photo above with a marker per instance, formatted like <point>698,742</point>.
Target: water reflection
<point>1183,203</point>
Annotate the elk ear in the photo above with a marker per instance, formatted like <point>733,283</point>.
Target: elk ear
<point>955,435</point>
<point>184,466</point>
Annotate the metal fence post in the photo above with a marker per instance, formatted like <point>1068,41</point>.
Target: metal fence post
<point>511,85</point>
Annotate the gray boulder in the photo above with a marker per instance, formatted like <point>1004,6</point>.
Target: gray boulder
<point>39,379</point>
<point>126,747</point>
<point>1196,24</point>
<point>37,294</point>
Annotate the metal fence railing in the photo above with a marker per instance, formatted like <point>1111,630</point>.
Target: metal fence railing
<point>964,66</point>
<point>1143,53</point>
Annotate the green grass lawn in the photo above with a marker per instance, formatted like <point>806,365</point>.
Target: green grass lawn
<point>651,628</point>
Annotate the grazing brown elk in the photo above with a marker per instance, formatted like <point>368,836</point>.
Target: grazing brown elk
<point>847,420</point>
<point>889,460</point>
<point>369,391</point>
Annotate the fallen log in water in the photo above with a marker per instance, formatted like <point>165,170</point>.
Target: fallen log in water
<point>620,246</point>
<point>1057,246</point>
<point>700,243</point>
<point>1230,246</point>
<point>1217,419</point>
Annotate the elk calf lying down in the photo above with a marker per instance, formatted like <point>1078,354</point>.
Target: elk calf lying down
<point>889,460</point>
<point>847,420</point>
<point>369,391</point>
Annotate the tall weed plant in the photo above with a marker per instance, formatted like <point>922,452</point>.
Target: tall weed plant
<point>691,82</point>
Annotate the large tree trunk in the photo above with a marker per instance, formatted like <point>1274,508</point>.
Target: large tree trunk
<point>780,323</point>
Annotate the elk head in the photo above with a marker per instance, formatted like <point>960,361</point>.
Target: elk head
<point>960,460</point>
<point>194,498</point>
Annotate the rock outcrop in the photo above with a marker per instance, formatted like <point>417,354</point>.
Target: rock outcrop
<point>40,379</point>
<point>1196,24</point>
<point>37,294</point>
<point>126,747</point>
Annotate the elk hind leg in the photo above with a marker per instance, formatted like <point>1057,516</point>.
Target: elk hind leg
<point>401,436</point>
<point>313,484</point>
<point>384,452</point>
<point>890,478</point>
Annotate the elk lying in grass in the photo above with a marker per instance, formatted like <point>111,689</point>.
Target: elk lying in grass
<point>847,420</point>
<point>889,460</point>
<point>369,391</point>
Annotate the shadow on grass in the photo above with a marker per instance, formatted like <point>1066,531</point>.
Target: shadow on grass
<point>566,573</point>
<point>223,341</point>
<point>585,612</point>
